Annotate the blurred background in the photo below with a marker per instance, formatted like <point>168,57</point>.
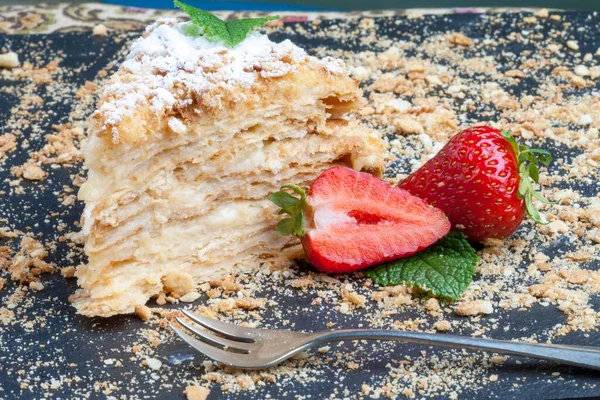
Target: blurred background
<point>339,5</point>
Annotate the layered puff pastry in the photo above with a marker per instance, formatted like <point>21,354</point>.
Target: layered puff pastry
<point>188,140</point>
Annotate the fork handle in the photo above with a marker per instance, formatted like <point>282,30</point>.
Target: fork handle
<point>579,356</point>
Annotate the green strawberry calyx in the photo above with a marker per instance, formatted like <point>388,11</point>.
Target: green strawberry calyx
<point>529,161</point>
<point>294,207</point>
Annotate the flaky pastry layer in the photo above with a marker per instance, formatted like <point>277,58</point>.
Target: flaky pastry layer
<point>176,193</point>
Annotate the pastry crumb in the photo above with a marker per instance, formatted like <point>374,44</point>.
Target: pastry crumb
<point>196,392</point>
<point>432,304</point>
<point>442,326</point>
<point>406,124</point>
<point>577,277</point>
<point>249,303</point>
<point>30,171</point>
<point>100,30</point>
<point>352,365</point>
<point>9,60</point>
<point>460,39</point>
<point>573,45</point>
<point>68,272</point>
<point>143,312</point>
<point>474,307</point>
<point>190,297</point>
<point>498,360</point>
<point>36,285</point>
<point>152,363</point>
<point>353,298</point>
<point>28,264</point>
<point>303,283</point>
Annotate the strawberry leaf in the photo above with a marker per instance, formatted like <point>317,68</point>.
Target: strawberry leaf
<point>284,200</point>
<point>444,269</point>
<point>534,173</point>
<point>545,158</point>
<point>286,226</point>
<point>293,206</point>
<point>529,161</point>
<point>532,211</point>
<point>231,33</point>
<point>510,139</point>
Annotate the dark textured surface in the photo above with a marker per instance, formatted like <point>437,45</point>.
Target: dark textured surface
<point>70,345</point>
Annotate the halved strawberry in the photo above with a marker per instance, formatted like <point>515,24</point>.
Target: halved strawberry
<point>351,220</point>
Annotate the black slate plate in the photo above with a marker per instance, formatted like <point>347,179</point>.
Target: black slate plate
<point>70,346</point>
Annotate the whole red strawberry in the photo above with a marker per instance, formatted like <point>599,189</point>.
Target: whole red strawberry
<point>482,180</point>
<point>351,220</point>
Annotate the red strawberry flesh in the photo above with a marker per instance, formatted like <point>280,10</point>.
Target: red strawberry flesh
<point>356,220</point>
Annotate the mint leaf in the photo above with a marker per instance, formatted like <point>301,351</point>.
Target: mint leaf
<point>240,28</point>
<point>231,33</point>
<point>445,269</point>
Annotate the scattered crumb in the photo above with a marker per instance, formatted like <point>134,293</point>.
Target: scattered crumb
<point>143,313</point>
<point>100,30</point>
<point>36,285</point>
<point>353,298</point>
<point>303,283</point>
<point>498,360</point>
<point>432,304</point>
<point>9,60</point>
<point>68,272</point>
<point>179,283</point>
<point>460,39</point>
<point>8,142</point>
<point>196,392</point>
<point>30,171</point>
<point>406,124</point>
<point>190,297</point>
<point>573,45</point>
<point>474,307</point>
<point>152,363</point>
<point>442,326</point>
<point>352,365</point>
<point>29,262</point>
<point>577,277</point>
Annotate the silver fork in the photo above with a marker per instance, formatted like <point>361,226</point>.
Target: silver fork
<point>252,348</point>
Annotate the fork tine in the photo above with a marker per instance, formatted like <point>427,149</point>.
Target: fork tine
<point>229,331</point>
<point>209,338</point>
<point>222,356</point>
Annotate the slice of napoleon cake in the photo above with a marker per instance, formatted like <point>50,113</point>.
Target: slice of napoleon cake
<point>189,138</point>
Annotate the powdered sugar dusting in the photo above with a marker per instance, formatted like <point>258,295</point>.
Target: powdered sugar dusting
<point>167,58</point>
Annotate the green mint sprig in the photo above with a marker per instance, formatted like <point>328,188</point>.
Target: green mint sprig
<point>231,33</point>
<point>445,269</point>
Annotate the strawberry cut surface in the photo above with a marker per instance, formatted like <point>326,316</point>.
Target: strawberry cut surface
<point>355,220</point>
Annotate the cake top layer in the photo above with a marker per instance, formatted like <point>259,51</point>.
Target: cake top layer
<point>167,67</point>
